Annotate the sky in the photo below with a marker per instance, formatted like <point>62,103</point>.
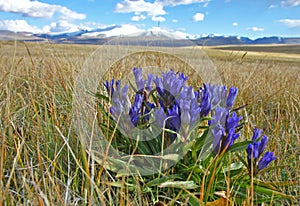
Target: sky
<point>250,18</point>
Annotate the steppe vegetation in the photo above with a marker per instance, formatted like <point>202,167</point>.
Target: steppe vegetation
<point>43,162</point>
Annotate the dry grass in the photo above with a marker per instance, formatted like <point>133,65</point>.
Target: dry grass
<point>43,162</point>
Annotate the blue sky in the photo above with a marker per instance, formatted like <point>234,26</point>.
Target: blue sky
<point>252,18</point>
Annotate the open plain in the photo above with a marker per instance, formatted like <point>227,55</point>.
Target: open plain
<point>43,162</point>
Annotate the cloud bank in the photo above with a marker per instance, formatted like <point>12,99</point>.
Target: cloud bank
<point>290,3</point>
<point>152,9</point>
<point>18,26</point>
<point>290,22</point>
<point>155,9</point>
<point>36,9</point>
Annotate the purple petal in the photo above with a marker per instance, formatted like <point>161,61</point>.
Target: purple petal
<point>265,160</point>
<point>256,133</point>
<point>231,97</point>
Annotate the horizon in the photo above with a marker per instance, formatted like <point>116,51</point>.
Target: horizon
<point>194,18</point>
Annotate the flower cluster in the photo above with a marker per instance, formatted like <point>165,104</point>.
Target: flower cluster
<point>223,127</point>
<point>165,114</point>
<point>255,159</point>
<point>176,106</point>
<point>224,123</point>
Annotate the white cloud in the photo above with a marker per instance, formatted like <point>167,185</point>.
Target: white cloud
<point>181,2</point>
<point>158,18</point>
<point>152,9</point>
<point>198,17</point>
<point>291,3</point>
<point>18,26</point>
<point>61,26</point>
<point>256,29</point>
<point>272,6</point>
<point>36,9</point>
<point>205,4</point>
<point>138,17</point>
<point>290,22</point>
<point>175,20</point>
<point>235,24</point>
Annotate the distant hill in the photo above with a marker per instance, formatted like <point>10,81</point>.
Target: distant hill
<point>10,35</point>
<point>221,40</point>
<point>119,34</point>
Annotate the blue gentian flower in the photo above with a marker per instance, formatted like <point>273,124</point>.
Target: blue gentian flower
<point>160,117</point>
<point>254,153</point>
<point>217,95</point>
<point>265,160</point>
<point>173,117</point>
<point>140,82</point>
<point>146,112</point>
<point>233,91</point>
<point>134,111</point>
<point>110,86</point>
<point>205,104</point>
<point>171,82</point>
<point>149,82</point>
<point>190,110</point>
<point>223,128</point>
<point>256,134</point>
<point>121,107</point>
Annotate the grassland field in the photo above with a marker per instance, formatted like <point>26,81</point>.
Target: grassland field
<point>270,48</point>
<point>42,161</point>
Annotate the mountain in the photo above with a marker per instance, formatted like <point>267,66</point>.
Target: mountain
<point>22,36</point>
<point>131,35</point>
<point>114,31</point>
<point>76,33</point>
<point>269,40</point>
<point>221,40</point>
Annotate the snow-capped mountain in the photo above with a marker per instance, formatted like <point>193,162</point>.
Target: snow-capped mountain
<point>81,32</point>
<point>130,34</point>
<point>121,31</point>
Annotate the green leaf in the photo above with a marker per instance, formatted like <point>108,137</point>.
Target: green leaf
<point>180,184</point>
<point>160,180</point>
<point>132,86</point>
<point>235,169</point>
<point>129,170</point>
<point>234,166</point>
<point>173,157</point>
<point>200,141</point>
<point>206,118</point>
<point>270,192</point>
<point>264,192</point>
<point>240,146</point>
<point>120,184</point>
<point>98,95</point>
<point>242,160</point>
<point>270,168</point>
